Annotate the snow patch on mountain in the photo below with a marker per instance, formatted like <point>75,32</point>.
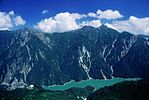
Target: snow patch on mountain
<point>103,75</point>
<point>17,84</point>
<point>41,54</point>
<point>84,60</point>
<point>28,51</point>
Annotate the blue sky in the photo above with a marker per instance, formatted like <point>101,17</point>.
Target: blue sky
<point>30,10</point>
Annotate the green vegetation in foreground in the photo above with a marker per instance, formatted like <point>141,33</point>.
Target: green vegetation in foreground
<point>128,90</point>
<point>40,94</point>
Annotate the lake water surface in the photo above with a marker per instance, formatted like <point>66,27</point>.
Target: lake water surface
<point>96,83</point>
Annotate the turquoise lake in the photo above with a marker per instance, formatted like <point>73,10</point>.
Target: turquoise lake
<point>96,83</point>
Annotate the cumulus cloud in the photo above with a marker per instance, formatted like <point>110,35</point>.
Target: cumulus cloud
<point>71,21</point>
<point>111,26</point>
<point>11,13</point>
<point>93,23</point>
<point>10,20</point>
<point>60,23</point>
<point>19,21</point>
<point>45,12</point>
<point>133,24</point>
<point>68,21</point>
<point>5,21</point>
<point>107,14</point>
<point>91,14</point>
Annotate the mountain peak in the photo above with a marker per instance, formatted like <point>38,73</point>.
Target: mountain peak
<point>125,33</point>
<point>103,26</point>
<point>87,27</point>
<point>27,29</point>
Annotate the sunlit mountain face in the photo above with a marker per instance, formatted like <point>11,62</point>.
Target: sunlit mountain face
<point>31,57</point>
<point>75,50</point>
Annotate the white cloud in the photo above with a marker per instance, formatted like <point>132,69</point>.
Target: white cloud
<point>108,14</point>
<point>71,21</point>
<point>93,23</point>
<point>91,14</point>
<point>19,21</point>
<point>133,24</point>
<point>60,23</point>
<point>68,21</point>
<point>110,26</point>
<point>9,20</point>
<point>11,13</point>
<point>5,21</point>
<point>45,12</point>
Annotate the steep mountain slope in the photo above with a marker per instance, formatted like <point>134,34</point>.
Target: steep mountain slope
<point>28,59</point>
<point>31,57</point>
<point>136,61</point>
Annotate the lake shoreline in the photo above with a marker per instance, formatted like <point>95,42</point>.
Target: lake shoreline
<point>96,83</point>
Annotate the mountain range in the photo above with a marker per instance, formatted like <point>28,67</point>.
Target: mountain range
<point>28,56</point>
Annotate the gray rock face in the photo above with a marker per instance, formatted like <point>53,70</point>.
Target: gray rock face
<point>31,57</point>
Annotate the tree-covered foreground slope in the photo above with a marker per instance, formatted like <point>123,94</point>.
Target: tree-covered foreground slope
<point>40,94</point>
<point>128,90</point>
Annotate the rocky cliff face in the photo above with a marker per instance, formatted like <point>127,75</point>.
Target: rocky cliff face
<point>31,57</point>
